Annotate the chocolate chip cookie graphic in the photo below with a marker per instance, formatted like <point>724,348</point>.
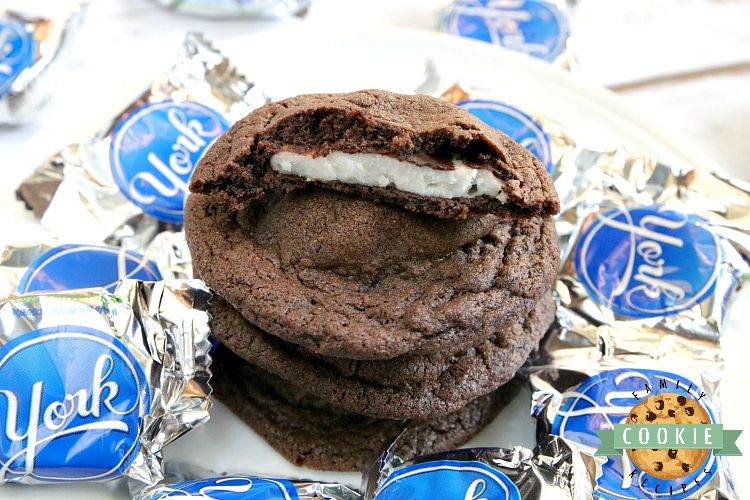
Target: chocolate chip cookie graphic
<point>668,408</point>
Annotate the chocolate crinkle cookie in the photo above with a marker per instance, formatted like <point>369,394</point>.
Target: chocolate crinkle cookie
<point>311,433</point>
<point>345,276</point>
<point>388,256</point>
<point>408,386</point>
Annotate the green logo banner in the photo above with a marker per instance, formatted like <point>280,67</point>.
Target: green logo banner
<point>669,436</point>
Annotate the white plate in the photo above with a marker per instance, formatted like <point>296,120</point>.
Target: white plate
<point>289,62</point>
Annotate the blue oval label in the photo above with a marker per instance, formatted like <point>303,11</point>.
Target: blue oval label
<point>606,399</point>
<point>231,487</point>
<point>72,400</point>
<point>518,125</point>
<point>154,151</point>
<point>68,267</point>
<point>648,261</point>
<point>448,479</point>
<point>16,52</point>
<point>534,27</point>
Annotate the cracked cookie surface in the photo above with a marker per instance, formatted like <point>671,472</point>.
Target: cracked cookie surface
<point>408,386</point>
<point>344,276</point>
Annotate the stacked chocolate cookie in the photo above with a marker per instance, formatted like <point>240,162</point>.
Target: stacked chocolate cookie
<point>381,265</point>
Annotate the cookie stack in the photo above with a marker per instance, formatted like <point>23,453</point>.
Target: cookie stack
<point>381,264</point>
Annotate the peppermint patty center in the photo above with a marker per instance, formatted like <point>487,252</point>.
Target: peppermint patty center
<point>370,169</point>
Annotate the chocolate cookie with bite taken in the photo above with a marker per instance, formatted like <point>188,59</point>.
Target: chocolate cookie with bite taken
<point>416,151</point>
<point>371,224</point>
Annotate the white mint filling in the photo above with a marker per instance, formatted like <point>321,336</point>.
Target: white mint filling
<point>383,171</point>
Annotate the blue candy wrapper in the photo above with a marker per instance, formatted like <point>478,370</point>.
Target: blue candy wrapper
<point>188,481</point>
<point>537,28</point>
<point>68,267</point>
<point>93,384</point>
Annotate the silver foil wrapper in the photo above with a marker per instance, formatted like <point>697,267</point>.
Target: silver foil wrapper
<point>163,256</point>
<point>576,404</point>
<point>95,384</point>
<point>653,255</point>
<point>129,180</point>
<point>14,262</point>
<point>170,252</point>
<point>34,38</point>
<point>538,28</point>
<point>653,258</point>
<point>554,469</point>
<point>657,258</point>
<point>229,8</point>
<point>189,481</point>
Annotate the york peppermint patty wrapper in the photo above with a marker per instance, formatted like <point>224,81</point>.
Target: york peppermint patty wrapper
<point>552,470</point>
<point>229,8</point>
<point>68,267</point>
<point>642,284</point>
<point>537,28</point>
<point>93,384</point>
<point>648,281</point>
<point>37,267</point>
<point>141,161</point>
<point>189,481</point>
<point>587,404</point>
<point>34,36</point>
<point>620,175</point>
